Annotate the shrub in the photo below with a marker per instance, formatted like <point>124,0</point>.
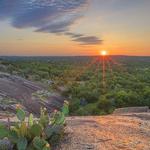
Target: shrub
<point>74,105</point>
<point>35,133</point>
<point>105,105</point>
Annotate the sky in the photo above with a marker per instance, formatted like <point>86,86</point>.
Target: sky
<point>74,27</point>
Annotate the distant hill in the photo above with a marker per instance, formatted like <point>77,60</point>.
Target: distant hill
<point>69,58</point>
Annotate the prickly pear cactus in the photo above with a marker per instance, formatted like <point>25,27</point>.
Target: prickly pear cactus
<point>3,131</point>
<point>21,114</point>
<point>65,109</point>
<point>22,143</point>
<point>23,130</point>
<point>39,143</point>
<point>5,144</point>
<point>59,118</point>
<point>36,133</point>
<point>36,130</point>
<point>30,120</point>
<point>44,118</point>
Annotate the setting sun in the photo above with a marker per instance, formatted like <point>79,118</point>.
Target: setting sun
<point>103,53</point>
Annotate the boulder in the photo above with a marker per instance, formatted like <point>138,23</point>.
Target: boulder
<point>131,110</point>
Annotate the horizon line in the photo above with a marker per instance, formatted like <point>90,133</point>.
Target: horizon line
<point>71,55</point>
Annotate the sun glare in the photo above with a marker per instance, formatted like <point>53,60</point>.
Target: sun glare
<point>103,53</point>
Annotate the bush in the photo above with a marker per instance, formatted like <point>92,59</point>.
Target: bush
<point>90,109</point>
<point>74,105</point>
<point>89,96</point>
<point>35,133</point>
<point>146,99</point>
<point>120,98</point>
<point>105,105</point>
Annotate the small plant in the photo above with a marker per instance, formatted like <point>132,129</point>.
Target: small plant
<point>42,95</point>
<point>31,133</point>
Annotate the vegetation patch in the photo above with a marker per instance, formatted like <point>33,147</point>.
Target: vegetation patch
<point>30,133</point>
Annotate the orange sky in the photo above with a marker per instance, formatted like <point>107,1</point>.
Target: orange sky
<point>118,26</point>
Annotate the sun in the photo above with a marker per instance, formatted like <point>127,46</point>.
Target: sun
<point>103,52</point>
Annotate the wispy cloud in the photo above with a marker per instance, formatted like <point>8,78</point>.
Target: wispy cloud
<point>84,39</point>
<point>88,40</point>
<point>52,16</point>
<point>74,35</point>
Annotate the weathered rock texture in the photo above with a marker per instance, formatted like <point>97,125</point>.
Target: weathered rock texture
<point>114,132</point>
<point>131,110</point>
<point>21,90</point>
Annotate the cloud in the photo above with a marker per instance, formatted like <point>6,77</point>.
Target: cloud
<point>42,14</point>
<point>74,35</point>
<point>36,13</point>
<point>52,16</point>
<point>60,25</point>
<point>88,40</point>
<point>83,39</point>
